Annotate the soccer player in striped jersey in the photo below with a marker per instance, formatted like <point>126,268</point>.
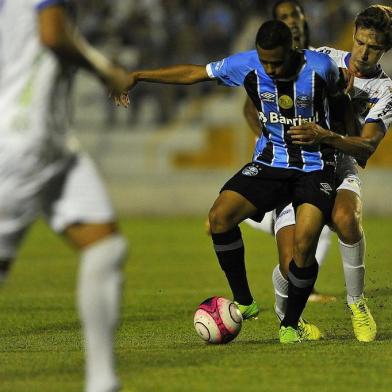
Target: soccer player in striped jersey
<point>371,92</point>
<point>281,224</point>
<point>287,86</point>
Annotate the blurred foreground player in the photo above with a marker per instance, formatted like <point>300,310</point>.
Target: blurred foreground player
<point>40,174</point>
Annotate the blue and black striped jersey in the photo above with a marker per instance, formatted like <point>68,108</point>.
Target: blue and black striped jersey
<point>284,103</point>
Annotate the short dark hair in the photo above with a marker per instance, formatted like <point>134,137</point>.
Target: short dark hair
<point>377,17</point>
<point>301,8</point>
<point>272,34</point>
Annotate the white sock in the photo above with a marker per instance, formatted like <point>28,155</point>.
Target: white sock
<point>281,288</point>
<point>99,290</point>
<point>354,269</point>
<point>323,245</point>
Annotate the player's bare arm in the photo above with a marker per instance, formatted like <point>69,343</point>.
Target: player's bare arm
<point>59,35</point>
<point>360,147</point>
<point>175,74</point>
<point>252,117</point>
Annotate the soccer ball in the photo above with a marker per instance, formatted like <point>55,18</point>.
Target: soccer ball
<point>217,320</point>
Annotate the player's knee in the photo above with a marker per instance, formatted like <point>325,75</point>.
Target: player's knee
<point>302,251</point>
<point>84,235</point>
<point>220,221</point>
<point>347,224</point>
<point>105,255</point>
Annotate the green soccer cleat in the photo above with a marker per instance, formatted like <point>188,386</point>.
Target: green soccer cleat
<point>308,331</point>
<point>249,312</point>
<point>365,328</point>
<point>289,335</point>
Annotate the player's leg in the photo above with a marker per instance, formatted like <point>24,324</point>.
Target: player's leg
<point>323,245</point>
<point>284,233</point>
<point>314,195</point>
<point>346,217</point>
<point>18,209</point>
<point>228,210</point>
<point>284,228</point>
<point>347,220</point>
<point>78,207</point>
<point>303,268</point>
<point>103,251</point>
<point>9,244</point>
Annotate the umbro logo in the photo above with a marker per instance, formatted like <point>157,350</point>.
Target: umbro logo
<point>326,188</point>
<point>268,97</point>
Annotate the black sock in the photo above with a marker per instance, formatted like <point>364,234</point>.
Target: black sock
<point>229,249</point>
<point>301,283</point>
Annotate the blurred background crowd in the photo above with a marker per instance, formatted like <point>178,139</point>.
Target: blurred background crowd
<point>153,33</point>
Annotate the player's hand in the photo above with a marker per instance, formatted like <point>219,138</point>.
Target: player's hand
<point>119,84</point>
<point>307,134</point>
<point>348,80</point>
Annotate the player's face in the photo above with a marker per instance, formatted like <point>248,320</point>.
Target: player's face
<point>275,61</point>
<point>290,14</point>
<point>367,50</point>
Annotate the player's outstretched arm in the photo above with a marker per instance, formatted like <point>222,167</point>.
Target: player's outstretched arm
<point>59,35</point>
<point>175,74</point>
<point>360,147</point>
<point>251,116</point>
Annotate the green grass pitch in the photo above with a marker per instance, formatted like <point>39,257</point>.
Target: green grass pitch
<point>171,269</point>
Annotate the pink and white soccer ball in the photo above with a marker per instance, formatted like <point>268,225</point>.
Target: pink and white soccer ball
<point>217,320</point>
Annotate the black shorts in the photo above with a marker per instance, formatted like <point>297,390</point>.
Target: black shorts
<point>268,188</point>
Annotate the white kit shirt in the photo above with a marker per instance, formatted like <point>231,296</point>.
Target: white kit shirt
<point>33,85</point>
<point>371,97</point>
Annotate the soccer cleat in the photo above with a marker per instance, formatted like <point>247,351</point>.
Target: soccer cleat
<point>365,328</point>
<point>315,296</point>
<point>249,312</point>
<point>289,335</point>
<point>308,331</point>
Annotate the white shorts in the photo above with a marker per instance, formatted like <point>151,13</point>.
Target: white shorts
<point>72,194</point>
<point>272,223</point>
<point>351,183</point>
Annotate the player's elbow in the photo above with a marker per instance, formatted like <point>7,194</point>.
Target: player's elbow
<point>365,154</point>
<point>195,74</point>
<point>52,28</point>
<point>52,40</point>
<point>369,152</point>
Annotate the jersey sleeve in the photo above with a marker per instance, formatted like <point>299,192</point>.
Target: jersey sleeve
<point>230,71</point>
<point>332,77</point>
<point>338,56</point>
<point>382,110</point>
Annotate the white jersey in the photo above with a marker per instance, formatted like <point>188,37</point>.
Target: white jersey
<point>33,84</point>
<point>371,97</point>
<point>39,175</point>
